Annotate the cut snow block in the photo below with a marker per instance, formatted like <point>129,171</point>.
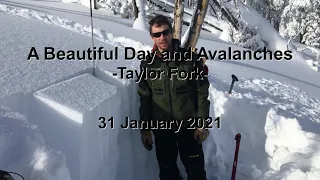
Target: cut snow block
<point>69,115</point>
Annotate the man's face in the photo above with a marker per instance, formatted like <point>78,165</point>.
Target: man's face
<point>161,36</point>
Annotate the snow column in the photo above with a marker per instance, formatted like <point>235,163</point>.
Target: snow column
<point>69,115</point>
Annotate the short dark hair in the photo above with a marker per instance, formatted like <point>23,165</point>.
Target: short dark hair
<point>159,20</point>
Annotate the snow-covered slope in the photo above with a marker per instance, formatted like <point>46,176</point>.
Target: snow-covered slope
<point>51,110</point>
<point>274,40</point>
<point>271,116</point>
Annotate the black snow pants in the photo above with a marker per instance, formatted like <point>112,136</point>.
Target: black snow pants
<point>168,144</point>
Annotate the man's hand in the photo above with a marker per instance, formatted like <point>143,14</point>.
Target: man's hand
<point>146,138</point>
<point>201,134</point>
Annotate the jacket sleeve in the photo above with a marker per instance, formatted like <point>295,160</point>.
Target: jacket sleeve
<point>145,94</point>
<point>202,90</point>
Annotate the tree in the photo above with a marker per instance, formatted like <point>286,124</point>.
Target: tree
<point>269,9</point>
<point>192,35</point>
<point>302,18</point>
<point>311,34</point>
<point>178,19</point>
<point>242,33</point>
<point>135,9</point>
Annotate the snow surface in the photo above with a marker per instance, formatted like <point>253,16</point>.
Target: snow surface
<point>24,150</point>
<point>50,109</point>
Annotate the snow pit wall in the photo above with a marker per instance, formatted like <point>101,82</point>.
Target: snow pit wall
<point>15,102</point>
<point>135,162</point>
<point>59,131</point>
<point>23,150</point>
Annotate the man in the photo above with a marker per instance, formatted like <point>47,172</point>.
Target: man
<point>173,99</point>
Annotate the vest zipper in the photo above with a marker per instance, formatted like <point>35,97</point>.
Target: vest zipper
<point>169,88</point>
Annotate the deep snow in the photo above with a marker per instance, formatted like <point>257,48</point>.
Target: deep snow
<point>50,110</point>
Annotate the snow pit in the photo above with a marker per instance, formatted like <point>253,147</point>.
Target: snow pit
<point>24,151</point>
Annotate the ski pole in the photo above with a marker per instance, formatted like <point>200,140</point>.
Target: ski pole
<point>235,161</point>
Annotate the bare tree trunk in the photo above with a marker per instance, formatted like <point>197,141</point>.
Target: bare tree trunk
<point>135,9</point>
<point>178,19</point>
<point>193,33</point>
<point>94,4</point>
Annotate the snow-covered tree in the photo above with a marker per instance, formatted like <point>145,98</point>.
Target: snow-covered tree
<point>124,8</point>
<point>140,17</point>
<point>292,18</point>
<point>302,18</point>
<point>270,9</point>
<point>242,33</point>
<point>312,30</point>
<point>247,37</point>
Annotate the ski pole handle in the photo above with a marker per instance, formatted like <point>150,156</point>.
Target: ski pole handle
<point>235,161</point>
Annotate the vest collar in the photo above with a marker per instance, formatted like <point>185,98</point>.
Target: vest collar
<point>155,50</point>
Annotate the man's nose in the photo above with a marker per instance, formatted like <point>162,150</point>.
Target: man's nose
<point>162,36</point>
